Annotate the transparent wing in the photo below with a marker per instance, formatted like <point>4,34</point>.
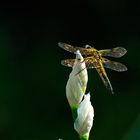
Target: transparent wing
<point>73,49</point>
<point>89,61</point>
<point>114,52</point>
<point>114,65</point>
<point>68,62</point>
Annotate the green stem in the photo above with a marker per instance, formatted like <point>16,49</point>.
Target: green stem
<point>85,137</point>
<point>74,112</point>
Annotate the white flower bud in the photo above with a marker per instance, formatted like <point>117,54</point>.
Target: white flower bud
<point>84,121</point>
<point>77,81</point>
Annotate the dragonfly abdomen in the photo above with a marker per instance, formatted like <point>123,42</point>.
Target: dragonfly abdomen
<point>104,77</point>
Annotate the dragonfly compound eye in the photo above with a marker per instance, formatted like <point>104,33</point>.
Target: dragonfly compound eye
<point>88,46</point>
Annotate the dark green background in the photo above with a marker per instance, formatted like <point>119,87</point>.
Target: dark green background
<point>33,105</point>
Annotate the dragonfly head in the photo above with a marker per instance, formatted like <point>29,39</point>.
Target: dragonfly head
<point>88,47</point>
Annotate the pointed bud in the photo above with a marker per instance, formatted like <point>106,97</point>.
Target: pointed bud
<point>84,121</point>
<point>77,82</point>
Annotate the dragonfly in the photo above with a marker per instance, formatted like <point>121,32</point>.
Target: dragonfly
<point>95,59</point>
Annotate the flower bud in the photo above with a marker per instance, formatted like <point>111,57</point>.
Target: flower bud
<point>77,82</point>
<point>84,120</point>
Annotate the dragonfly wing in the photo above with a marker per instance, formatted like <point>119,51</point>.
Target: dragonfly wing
<point>68,62</point>
<point>73,49</point>
<point>114,65</point>
<point>114,52</point>
<point>101,71</point>
<point>89,61</point>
